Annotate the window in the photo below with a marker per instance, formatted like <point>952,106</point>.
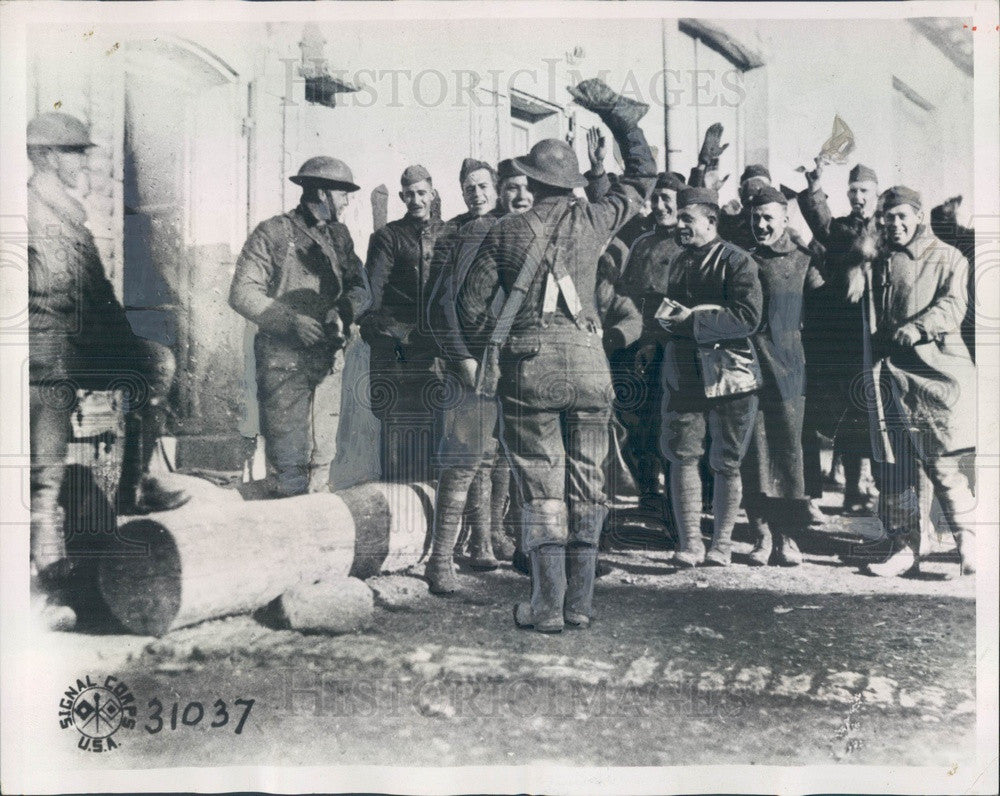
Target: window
<point>532,120</point>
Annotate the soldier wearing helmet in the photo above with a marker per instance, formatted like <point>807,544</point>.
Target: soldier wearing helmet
<point>79,338</point>
<point>299,280</point>
<point>551,372</point>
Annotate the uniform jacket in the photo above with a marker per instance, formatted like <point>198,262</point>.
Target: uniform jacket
<point>729,281</point>
<point>577,234</point>
<point>400,256</point>
<point>786,270</point>
<point>74,316</point>
<point>292,265</point>
<point>645,278</point>
<point>453,257</point>
<point>735,228</point>
<point>934,382</point>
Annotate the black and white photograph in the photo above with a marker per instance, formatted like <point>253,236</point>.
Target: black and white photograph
<point>469,397</point>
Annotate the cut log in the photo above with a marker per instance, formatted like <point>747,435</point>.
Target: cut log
<point>216,556</point>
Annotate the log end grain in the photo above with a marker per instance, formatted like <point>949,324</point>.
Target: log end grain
<point>141,583</point>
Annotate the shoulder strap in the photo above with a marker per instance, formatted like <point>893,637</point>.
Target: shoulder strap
<point>518,291</point>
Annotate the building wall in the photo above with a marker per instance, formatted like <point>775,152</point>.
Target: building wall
<point>246,135</point>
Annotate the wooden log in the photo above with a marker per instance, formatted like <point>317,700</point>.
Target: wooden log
<point>218,556</point>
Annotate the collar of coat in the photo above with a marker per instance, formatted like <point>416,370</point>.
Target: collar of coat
<point>918,244</point>
<point>782,245</point>
<point>51,190</point>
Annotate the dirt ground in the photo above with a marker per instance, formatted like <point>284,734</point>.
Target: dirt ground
<point>815,664</point>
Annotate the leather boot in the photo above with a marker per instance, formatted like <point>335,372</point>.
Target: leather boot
<point>548,591</point>
<point>786,550</point>
<point>763,544</point>
<point>965,541</point>
<point>581,569</point>
<point>902,560</point>
<point>138,491</point>
<point>452,491</point>
<point>477,514</point>
<point>503,544</point>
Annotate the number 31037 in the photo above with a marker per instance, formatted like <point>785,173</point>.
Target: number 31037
<point>192,714</point>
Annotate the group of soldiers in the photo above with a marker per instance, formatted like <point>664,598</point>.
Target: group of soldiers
<point>508,343</point>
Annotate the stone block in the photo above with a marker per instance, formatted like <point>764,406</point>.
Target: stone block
<point>340,605</point>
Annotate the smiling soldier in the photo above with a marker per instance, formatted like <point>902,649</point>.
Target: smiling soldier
<point>773,479</point>
<point>710,374</point>
<point>404,356</point>
<point>918,298</point>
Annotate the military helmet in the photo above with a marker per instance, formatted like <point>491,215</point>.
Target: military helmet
<point>552,162</point>
<point>58,130</point>
<point>328,170</point>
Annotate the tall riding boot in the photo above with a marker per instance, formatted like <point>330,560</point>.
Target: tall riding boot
<point>581,569</point>
<point>138,491</point>
<point>449,503</point>
<point>477,515</point>
<point>586,522</point>
<point>503,543</point>
<point>685,497</point>
<point>726,496</point>
<point>544,533</point>
<point>548,591</point>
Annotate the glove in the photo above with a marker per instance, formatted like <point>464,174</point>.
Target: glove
<point>595,95</point>
<point>712,148</point>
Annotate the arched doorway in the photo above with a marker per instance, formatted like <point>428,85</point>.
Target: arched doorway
<point>184,200</point>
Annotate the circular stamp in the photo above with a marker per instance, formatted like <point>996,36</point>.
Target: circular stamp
<point>97,710</point>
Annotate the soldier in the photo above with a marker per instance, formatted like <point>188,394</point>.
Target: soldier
<point>734,223</point>
<point>405,370</point>
<point>645,280</point>
<point>773,478</point>
<point>79,337</point>
<point>710,374</point>
<point>299,280</point>
<point>467,454</point>
<point>546,351</point>
<point>916,302</point>
<point>835,351</point>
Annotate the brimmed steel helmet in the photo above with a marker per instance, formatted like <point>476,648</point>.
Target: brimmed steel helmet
<point>326,170</point>
<point>58,130</point>
<point>552,162</point>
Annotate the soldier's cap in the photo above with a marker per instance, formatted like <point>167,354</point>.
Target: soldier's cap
<point>506,170</point>
<point>58,130</point>
<point>414,174</point>
<point>670,180</point>
<point>901,195</point>
<point>766,195</point>
<point>861,173</point>
<point>326,171</point>
<point>755,170</point>
<point>697,196</point>
<point>470,165</point>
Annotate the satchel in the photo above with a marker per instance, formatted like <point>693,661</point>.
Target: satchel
<point>730,368</point>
